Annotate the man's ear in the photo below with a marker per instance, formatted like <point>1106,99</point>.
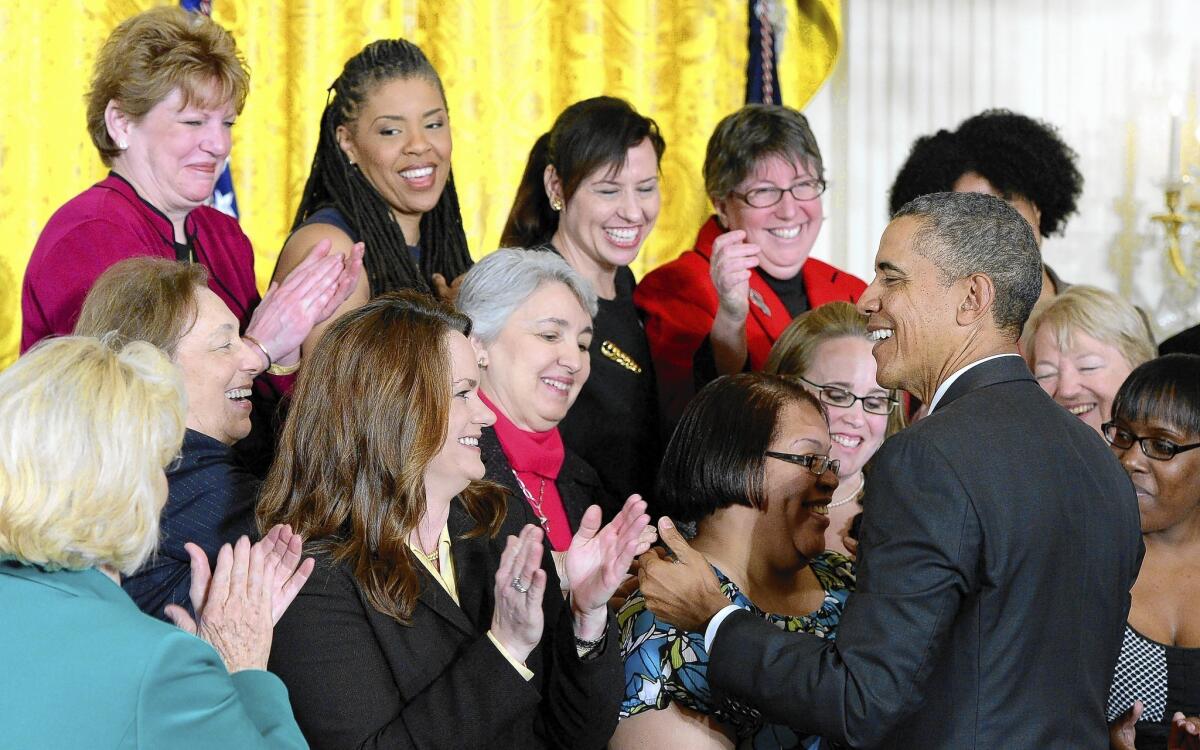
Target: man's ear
<point>978,293</point>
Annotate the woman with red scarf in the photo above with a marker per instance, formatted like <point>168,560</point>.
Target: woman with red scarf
<point>531,316</point>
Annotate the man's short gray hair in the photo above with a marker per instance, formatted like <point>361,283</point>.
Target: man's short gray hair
<point>968,233</point>
<point>501,282</point>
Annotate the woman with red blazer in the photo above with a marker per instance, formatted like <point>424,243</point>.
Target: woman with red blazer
<point>719,307</point>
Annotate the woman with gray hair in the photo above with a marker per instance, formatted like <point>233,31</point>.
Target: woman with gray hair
<point>1081,345</point>
<point>720,306</point>
<point>531,316</point>
<point>82,666</point>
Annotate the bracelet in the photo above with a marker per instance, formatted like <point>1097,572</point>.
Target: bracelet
<point>583,646</point>
<point>278,369</point>
<point>261,348</point>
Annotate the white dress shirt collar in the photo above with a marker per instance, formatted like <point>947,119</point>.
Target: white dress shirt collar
<point>945,386</point>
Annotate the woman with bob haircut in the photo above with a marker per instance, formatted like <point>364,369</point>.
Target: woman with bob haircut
<point>590,193</point>
<point>429,623</point>
<point>1155,434</point>
<point>210,495</point>
<point>1081,345</point>
<point>826,350</point>
<point>166,89</point>
<point>716,309</point>
<point>381,176</point>
<point>85,430</point>
<point>749,466</point>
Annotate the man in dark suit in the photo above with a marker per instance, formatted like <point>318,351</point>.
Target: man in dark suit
<point>1000,536</point>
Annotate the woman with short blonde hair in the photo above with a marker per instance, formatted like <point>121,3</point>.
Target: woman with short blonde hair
<point>167,88</point>
<point>86,427</point>
<point>73,513</point>
<point>1082,344</point>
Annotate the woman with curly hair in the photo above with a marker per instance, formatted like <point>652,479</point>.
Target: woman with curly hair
<point>1000,153</point>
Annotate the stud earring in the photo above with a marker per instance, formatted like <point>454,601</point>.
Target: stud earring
<point>556,203</point>
<point>122,145</point>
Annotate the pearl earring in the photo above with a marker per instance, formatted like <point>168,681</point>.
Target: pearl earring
<point>122,145</point>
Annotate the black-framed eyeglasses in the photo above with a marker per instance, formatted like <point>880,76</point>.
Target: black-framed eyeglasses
<point>765,197</point>
<point>1157,448</point>
<point>815,464</point>
<point>835,396</point>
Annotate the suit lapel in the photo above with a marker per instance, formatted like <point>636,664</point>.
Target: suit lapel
<point>998,370</point>
<point>434,596</point>
<point>472,567</point>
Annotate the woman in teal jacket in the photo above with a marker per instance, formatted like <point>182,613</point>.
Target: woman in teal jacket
<point>85,431</point>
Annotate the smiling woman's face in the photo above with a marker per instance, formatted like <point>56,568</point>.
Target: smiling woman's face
<point>1084,377</point>
<point>846,362</point>
<point>1167,491</point>
<point>218,371</point>
<point>798,500</point>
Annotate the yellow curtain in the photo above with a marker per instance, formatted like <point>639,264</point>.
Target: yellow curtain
<point>509,67</point>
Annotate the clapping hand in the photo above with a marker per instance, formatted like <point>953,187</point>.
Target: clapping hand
<point>598,561</point>
<point>308,296</point>
<point>1185,732</point>
<point>238,603</point>
<point>517,620</point>
<point>730,266</point>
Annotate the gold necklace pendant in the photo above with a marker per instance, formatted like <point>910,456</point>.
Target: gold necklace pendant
<point>613,352</point>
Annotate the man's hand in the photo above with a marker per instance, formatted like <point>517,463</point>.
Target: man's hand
<point>683,591</point>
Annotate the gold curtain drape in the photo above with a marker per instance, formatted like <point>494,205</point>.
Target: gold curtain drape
<point>509,67</point>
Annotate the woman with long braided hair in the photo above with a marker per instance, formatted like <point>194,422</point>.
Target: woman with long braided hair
<point>381,175</point>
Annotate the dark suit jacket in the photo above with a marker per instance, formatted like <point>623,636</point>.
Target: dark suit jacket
<point>578,483</point>
<point>359,679</point>
<point>210,501</point>
<point>1000,541</point>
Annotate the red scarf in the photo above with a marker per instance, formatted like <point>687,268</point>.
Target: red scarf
<point>536,458</point>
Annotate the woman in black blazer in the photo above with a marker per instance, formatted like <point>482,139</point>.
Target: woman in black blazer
<point>425,623</point>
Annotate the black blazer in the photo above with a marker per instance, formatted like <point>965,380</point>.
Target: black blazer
<point>1000,541</point>
<point>578,484</point>
<point>359,679</point>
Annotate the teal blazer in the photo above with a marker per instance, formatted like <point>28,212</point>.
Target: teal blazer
<point>81,666</point>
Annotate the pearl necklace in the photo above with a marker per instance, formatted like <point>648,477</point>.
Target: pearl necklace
<point>858,493</point>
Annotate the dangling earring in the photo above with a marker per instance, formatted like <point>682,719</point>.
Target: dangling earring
<point>556,203</point>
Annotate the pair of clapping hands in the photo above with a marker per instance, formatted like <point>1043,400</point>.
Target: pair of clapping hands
<point>238,603</point>
<point>596,565</point>
<point>312,292</point>
<point>1185,730</point>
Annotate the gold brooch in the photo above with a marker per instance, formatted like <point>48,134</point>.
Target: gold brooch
<point>613,352</point>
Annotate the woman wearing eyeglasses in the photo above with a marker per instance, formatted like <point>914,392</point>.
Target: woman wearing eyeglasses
<point>1155,433</point>
<point>827,350</point>
<point>749,467</point>
<point>720,306</point>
